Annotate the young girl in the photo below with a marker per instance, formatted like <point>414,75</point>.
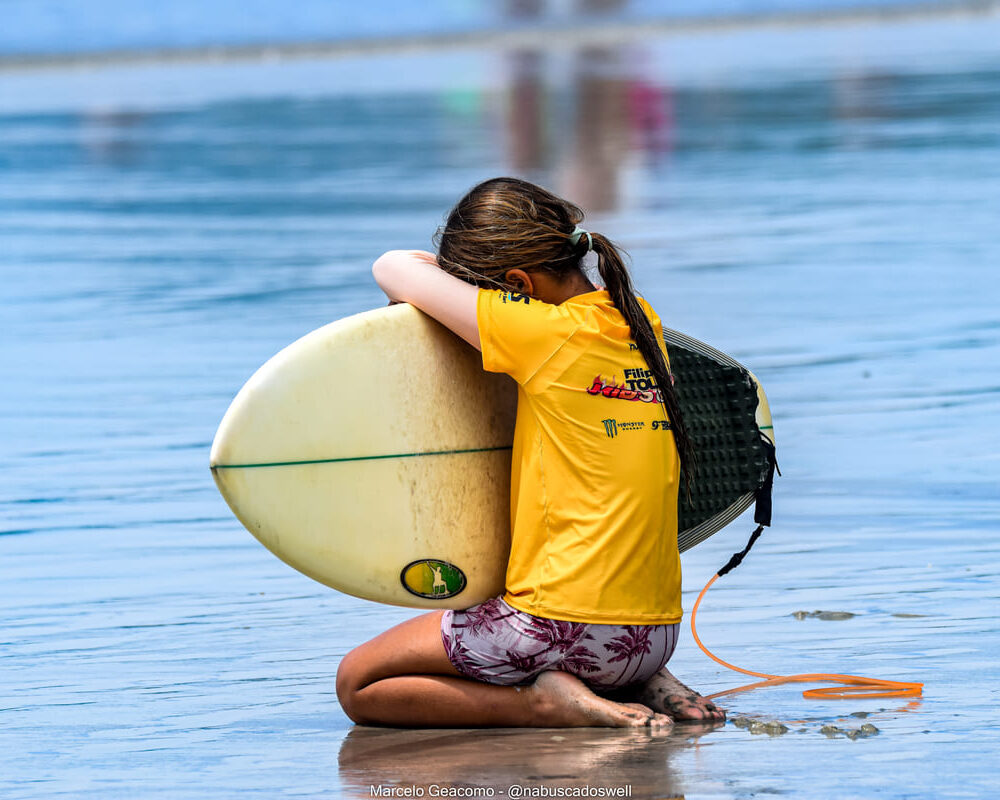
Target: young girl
<point>592,602</point>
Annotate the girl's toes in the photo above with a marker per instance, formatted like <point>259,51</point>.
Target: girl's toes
<point>638,711</point>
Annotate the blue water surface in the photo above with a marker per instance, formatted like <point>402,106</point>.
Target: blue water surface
<point>818,202</point>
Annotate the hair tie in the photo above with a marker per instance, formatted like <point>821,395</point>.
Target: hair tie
<point>574,237</point>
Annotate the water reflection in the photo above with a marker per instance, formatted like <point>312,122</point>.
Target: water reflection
<point>592,167</point>
<point>576,757</point>
<point>525,112</point>
<point>587,132</point>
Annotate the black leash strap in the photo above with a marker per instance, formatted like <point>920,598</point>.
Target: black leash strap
<point>737,558</point>
<point>762,511</point>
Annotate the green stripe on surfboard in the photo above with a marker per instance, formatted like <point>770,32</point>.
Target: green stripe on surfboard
<point>361,458</point>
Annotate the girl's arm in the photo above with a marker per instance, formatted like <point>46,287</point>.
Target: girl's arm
<point>413,276</point>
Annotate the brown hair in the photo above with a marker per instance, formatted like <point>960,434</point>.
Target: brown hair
<point>508,223</point>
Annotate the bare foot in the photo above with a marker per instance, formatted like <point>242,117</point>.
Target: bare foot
<point>565,701</point>
<point>653,718</point>
<point>665,694</point>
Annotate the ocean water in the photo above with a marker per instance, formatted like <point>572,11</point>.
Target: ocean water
<point>821,203</point>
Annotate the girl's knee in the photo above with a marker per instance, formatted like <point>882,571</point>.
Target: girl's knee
<point>350,680</point>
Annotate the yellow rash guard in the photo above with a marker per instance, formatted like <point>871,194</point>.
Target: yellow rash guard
<point>595,468</point>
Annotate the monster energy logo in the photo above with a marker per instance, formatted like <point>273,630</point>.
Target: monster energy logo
<point>610,427</point>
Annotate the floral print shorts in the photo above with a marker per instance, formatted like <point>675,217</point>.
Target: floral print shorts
<point>496,643</point>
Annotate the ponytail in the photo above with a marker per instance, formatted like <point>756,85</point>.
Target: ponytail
<point>619,285</point>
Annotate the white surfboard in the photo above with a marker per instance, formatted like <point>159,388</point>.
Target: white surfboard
<point>375,443</point>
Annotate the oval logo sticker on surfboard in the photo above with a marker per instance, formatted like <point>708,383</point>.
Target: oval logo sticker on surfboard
<point>432,578</point>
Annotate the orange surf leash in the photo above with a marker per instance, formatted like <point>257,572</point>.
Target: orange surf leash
<point>851,685</point>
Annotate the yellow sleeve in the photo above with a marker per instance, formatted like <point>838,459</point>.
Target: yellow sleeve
<point>518,333</point>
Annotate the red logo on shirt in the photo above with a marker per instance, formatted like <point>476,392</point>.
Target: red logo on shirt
<point>619,392</point>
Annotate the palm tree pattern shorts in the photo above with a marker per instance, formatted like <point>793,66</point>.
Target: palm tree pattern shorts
<point>496,643</point>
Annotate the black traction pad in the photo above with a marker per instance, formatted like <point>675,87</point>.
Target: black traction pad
<point>718,400</point>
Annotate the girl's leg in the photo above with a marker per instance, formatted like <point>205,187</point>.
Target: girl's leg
<point>403,678</point>
<point>666,695</point>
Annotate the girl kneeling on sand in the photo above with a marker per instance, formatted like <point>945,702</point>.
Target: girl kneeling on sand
<point>592,602</point>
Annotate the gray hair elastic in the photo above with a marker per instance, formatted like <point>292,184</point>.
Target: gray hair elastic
<point>574,237</point>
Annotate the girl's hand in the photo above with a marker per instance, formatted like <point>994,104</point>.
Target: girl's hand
<point>413,276</point>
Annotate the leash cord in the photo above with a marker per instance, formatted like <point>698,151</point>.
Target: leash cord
<point>851,685</point>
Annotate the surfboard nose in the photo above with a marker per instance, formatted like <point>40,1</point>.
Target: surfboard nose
<point>217,454</point>
<point>213,454</point>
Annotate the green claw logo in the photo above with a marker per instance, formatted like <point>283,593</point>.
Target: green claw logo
<point>432,578</point>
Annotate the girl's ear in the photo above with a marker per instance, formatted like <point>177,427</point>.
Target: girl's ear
<point>520,281</point>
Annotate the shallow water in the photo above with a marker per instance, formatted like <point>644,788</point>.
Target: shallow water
<point>812,201</point>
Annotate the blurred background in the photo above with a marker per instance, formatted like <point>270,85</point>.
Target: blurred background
<point>49,29</point>
<point>185,188</point>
